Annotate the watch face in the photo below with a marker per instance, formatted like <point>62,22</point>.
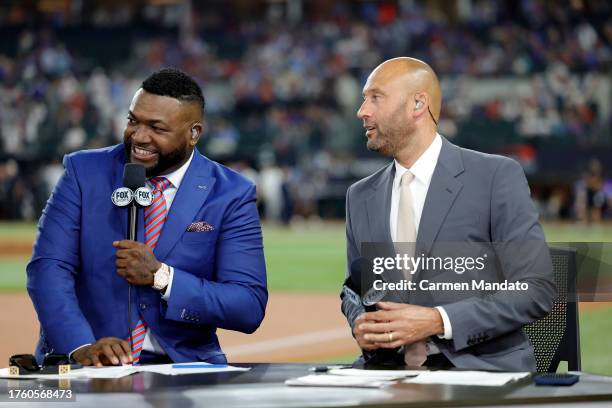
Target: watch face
<point>164,279</point>
<point>161,278</point>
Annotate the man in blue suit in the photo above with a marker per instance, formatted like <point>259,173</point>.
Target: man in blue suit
<point>198,261</point>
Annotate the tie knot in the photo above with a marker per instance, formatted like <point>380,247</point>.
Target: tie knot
<point>160,183</point>
<point>406,178</point>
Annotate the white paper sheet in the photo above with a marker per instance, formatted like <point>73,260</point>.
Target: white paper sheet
<point>483,378</point>
<point>378,374</point>
<point>189,368</point>
<point>125,370</point>
<point>330,380</point>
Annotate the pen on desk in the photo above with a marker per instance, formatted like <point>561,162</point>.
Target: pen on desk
<point>199,365</point>
<point>324,369</point>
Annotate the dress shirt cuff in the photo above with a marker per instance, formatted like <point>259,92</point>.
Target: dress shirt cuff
<point>76,349</point>
<point>166,294</point>
<point>448,329</point>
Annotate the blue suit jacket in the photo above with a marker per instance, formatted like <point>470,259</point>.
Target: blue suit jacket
<point>219,275</point>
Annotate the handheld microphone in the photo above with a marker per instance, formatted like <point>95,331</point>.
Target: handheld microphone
<point>134,194</point>
<point>134,177</point>
<point>360,284</point>
<point>354,301</point>
<point>355,285</point>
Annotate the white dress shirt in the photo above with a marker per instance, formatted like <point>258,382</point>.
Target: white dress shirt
<point>175,178</point>
<point>422,170</point>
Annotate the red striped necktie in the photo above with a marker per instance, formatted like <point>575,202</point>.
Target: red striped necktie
<point>154,217</point>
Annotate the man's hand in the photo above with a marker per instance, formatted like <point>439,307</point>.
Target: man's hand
<point>359,333</point>
<point>397,324</point>
<point>106,351</point>
<point>135,262</point>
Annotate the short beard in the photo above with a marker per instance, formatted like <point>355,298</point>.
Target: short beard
<point>395,138</point>
<point>164,161</point>
<point>382,145</point>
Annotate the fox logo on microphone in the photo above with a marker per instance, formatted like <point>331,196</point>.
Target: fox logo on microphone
<point>122,196</point>
<point>144,196</point>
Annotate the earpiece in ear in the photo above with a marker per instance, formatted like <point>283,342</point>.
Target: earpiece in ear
<point>418,105</point>
<point>194,133</point>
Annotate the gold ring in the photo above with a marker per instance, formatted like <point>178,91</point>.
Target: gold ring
<point>390,337</point>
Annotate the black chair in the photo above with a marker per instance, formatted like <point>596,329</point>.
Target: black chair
<point>556,337</point>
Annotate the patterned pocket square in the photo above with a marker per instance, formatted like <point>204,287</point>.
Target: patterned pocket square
<point>200,226</point>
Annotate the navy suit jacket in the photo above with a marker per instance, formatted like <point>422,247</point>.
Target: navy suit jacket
<point>219,275</point>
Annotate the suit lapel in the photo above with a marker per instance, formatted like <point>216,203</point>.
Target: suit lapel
<point>190,197</point>
<point>443,190</point>
<point>120,214</point>
<point>378,206</point>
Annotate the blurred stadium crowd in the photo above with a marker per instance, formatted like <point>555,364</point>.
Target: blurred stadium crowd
<point>530,79</point>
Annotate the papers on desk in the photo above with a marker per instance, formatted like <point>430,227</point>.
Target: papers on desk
<point>352,377</point>
<point>481,378</point>
<point>330,380</point>
<point>190,368</point>
<point>385,375</point>
<point>125,370</point>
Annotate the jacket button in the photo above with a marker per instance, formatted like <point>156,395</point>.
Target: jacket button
<point>143,306</point>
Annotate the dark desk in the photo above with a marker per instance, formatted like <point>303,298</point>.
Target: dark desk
<point>263,386</point>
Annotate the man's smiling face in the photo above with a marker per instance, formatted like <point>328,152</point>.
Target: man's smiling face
<point>158,132</point>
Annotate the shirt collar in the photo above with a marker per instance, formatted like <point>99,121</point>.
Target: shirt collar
<point>176,177</point>
<point>425,165</point>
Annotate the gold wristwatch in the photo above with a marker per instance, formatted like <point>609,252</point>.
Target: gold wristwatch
<point>161,278</point>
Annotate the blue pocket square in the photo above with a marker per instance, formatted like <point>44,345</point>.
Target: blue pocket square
<point>200,226</point>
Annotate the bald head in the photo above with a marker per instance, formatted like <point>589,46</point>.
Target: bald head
<point>400,108</point>
<point>413,76</point>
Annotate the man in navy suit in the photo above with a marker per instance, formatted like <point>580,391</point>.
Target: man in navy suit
<point>202,269</point>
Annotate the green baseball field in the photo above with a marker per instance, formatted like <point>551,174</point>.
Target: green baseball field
<point>308,259</point>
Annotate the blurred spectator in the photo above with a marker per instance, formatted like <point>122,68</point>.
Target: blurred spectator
<point>532,73</point>
<point>271,181</point>
<point>596,199</point>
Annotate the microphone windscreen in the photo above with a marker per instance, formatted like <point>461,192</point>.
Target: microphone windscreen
<point>134,176</point>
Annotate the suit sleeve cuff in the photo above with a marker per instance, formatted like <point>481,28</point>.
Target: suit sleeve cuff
<point>166,294</point>
<point>448,329</point>
<point>76,349</point>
